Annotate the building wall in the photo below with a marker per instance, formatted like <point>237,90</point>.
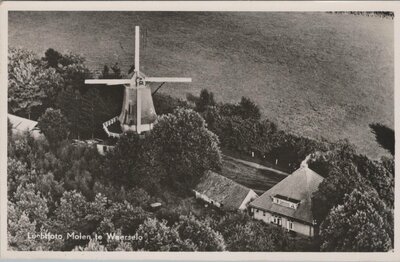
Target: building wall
<point>206,199</point>
<point>250,197</point>
<point>298,227</point>
<point>104,149</point>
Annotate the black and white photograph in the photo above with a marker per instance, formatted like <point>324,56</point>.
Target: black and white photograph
<point>200,131</point>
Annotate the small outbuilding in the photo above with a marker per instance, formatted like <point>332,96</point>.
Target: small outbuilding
<point>223,192</point>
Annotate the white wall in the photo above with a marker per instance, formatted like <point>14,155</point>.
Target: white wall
<point>298,227</point>
<point>206,199</point>
<point>250,197</point>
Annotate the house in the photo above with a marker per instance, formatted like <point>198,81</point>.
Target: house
<point>223,192</point>
<point>21,125</point>
<point>288,203</point>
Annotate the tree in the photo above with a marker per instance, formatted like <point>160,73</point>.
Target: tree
<point>205,100</point>
<point>31,203</point>
<point>19,226</point>
<point>52,57</point>
<point>133,163</point>
<point>384,136</point>
<point>341,180</point>
<point>166,104</point>
<point>201,234</point>
<point>53,125</point>
<point>157,236</point>
<point>93,112</point>
<point>70,217</point>
<point>379,177</point>
<point>241,233</point>
<point>73,70</point>
<point>70,103</point>
<point>185,147</point>
<point>30,83</point>
<point>17,174</point>
<point>22,231</point>
<point>345,170</point>
<point>360,224</point>
<point>248,109</point>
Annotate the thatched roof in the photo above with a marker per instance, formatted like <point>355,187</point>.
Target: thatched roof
<point>298,186</point>
<point>223,190</point>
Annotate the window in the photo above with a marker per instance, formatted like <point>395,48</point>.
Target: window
<point>276,220</point>
<point>289,225</point>
<point>285,201</point>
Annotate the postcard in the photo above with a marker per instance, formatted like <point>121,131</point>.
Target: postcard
<point>199,130</point>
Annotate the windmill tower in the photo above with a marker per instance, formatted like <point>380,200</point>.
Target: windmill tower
<point>138,113</point>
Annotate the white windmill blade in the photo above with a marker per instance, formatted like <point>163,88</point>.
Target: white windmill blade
<point>169,79</point>
<point>108,82</point>
<point>137,49</point>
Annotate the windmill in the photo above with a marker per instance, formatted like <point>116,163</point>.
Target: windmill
<point>138,113</point>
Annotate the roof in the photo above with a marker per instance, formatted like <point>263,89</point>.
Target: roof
<point>300,186</point>
<point>22,124</point>
<point>222,189</point>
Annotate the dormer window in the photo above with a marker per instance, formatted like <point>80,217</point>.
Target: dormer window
<point>286,201</point>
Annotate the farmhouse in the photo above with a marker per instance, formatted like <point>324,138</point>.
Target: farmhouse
<point>21,125</point>
<point>288,203</point>
<point>224,193</point>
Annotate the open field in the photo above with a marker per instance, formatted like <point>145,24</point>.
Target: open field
<point>314,74</point>
<point>257,179</point>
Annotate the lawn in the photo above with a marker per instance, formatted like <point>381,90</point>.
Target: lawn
<point>314,74</point>
<point>256,179</point>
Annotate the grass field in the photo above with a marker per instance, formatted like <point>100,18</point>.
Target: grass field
<point>256,179</point>
<point>314,74</point>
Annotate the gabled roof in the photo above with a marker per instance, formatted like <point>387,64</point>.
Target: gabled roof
<point>300,186</point>
<point>22,124</point>
<point>222,189</point>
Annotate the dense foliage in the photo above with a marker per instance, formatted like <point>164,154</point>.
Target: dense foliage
<point>59,186</point>
<point>54,125</point>
<point>346,172</point>
<point>185,147</point>
<point>384,136</point>
<point>241,129</point>
<point>362,223</point>
<point>57,81</point>
<point>30,82</point>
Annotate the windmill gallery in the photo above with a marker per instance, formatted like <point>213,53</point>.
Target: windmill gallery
<point>103,153</point>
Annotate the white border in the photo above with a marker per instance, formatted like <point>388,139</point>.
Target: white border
<point>186,6</point>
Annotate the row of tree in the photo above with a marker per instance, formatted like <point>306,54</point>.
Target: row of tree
<point>241,129</point>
